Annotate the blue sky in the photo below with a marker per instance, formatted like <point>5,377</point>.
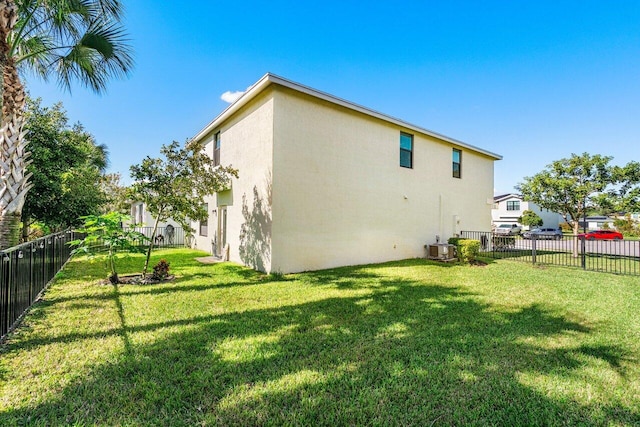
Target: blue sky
<point>532,81</point>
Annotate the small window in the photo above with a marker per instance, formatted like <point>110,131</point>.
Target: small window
<point>204,224</point>
<point>406,150</point>
<point>216,149</point>
<point>457,163</point>
<point>513,205</point>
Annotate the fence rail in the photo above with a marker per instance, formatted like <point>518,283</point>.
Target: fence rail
<point>613,256</point>
<point>166,237</point>
<point>25,271</point>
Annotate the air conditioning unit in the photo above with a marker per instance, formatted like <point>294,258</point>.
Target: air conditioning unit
<point>441,251</point>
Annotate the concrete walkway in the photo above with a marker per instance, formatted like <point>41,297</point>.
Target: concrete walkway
<point>209,259</point>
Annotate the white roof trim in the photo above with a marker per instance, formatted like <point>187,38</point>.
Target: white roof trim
<point>269,79</point>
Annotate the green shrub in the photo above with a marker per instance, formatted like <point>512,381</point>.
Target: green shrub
<point>566,227</point>
<point>468,250</point>
<point>455,240</point>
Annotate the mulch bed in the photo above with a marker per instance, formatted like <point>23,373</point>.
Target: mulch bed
<point>137,279</point>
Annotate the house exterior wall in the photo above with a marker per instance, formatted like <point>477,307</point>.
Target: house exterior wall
<point>143,218</point>
<point>340,196</point>
<point>247,145</point>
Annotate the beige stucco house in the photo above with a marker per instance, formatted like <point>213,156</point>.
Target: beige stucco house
<point>324,182</point>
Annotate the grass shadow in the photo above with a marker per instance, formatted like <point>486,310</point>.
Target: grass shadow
<point>404,353</point>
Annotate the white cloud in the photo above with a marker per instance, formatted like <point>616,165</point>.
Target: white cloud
<point>230,97</point>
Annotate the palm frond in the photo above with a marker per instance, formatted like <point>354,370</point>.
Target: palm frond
<point>73,39</point>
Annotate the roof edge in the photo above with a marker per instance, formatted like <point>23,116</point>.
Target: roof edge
<point>270,78</point>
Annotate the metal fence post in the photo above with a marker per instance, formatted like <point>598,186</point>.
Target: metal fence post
<point>533,248</point>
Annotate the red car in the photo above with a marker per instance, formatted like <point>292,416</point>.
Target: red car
<point>602,235</point>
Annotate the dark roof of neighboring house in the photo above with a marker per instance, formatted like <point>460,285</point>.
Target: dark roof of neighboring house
<point>269,79</point>
<point>506,196</point>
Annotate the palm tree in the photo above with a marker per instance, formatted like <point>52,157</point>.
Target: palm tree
<point>79,40</point>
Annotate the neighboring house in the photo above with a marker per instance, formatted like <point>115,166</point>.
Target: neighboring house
<point>324,182</point>
<point>597,222</point>
<point>144,222</point>
<point>508,208</point>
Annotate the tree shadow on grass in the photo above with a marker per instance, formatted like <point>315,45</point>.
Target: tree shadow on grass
<point>403,354</point>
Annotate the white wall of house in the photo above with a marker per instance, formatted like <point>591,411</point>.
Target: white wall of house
<point>143,218</point>
<point>340,196</point>
<point>504,212</point>
<point>247,145</point>
<point>320,185</point>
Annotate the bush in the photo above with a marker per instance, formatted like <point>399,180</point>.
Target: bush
<point>160,270</point>
<point>455,240</point>
<point>566,227</point>
<point>467,249</point>
<point>627,226</point>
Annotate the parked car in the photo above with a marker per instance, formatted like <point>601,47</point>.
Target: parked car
<point>601,235</point>
<point>543,233</point>
<point>508,229</point>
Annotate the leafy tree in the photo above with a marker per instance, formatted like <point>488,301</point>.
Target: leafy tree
<point>66,170</point>
<point>116,195</point>
<point>69,39</point>
<point>626,198</point>
<point>530,219</point>
<point>570,186</point>
<point>106,231</point>
<point>174,185</point>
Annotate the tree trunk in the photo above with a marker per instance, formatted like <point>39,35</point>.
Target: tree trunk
<point>9,230</point>
<point>153,236</point>
<point>14,181</point>
<point>576,239</point>
<point>26,229</point>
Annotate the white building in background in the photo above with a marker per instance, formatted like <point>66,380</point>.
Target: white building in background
<point>508,208</point>
<point>143,221</point>
<point>324,182</point>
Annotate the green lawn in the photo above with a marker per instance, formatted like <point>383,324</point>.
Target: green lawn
<point>403,343</point>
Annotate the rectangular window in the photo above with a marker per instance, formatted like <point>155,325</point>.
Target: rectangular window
<point>406,150</point>
<point>204,224</point>
<point>457,163</point>
<point>513,205</point>
<point>216,149</point>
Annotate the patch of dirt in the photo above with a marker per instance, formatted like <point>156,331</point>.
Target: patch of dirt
<point>478,263</point>
<point>137,279</point>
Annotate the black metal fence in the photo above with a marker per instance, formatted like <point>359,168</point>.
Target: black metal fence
<point>25,271</point>
<point>613,256</point>
<point>166,237</point>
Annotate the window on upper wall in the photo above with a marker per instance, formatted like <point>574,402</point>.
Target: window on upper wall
<point>216,149</point>
<point>457,163</point>
<point>406,150</point>
<point>513,205</point>
<point>204,224</point>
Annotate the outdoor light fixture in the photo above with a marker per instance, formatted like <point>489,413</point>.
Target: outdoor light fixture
<point>41,244</point>
<point>5,258</point>
<point>20,254</point>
